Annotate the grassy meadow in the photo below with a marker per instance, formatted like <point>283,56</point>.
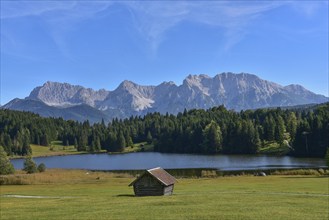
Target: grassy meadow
<point>138,147</point>
<point>56,148</point>
<point>78,194</point>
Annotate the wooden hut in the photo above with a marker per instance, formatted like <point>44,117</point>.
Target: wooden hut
<point>154,182</point>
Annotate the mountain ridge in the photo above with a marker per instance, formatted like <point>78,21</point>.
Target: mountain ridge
<point>234,91</point>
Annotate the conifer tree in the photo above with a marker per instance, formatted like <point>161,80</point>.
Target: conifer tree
<point>212,138</point>
<point>5,166</point>
<point>29,165</point>
<point>279,130</point>
<point>149,137</point>
<point>121,143</point>
<point>129,141</point>
<point>327,157</point>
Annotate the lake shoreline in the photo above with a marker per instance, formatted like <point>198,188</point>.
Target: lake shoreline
<point>147,160</point>
<point>211,172</point>
<point>132,152</point>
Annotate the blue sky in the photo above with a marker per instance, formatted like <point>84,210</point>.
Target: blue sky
<point>98,44</point>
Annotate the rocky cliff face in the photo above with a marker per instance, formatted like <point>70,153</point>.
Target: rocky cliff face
<point>129,96</point>
<point>234,91</point>
<point>64,94</point>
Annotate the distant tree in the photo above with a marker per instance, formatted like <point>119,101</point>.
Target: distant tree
<point>44,141</point>
<point>37,139</point>
<point>82,143</point>
<point>26,149</point>
<point>279,130</point>
<point>212,138</point>
<point>111,142</point>
<point>95,145</point>
<point>327,157</point>
<point>17,146</point>
<point>75,143</point>
<point>196,139</point>
<point>249,138</point>
<point>149,137</point>
<point>269,128</point>
<point>121,143</point>
<point>129,141</point>
<point>42,167</point>
<point>5,166</point>
<point>29,165</point>
<point>300,143</point>
<point>98,144</point>
<point>292,124</point>
<point>7,142</point>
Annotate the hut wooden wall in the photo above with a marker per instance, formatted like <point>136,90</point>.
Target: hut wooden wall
<point>168,190</point>
<point>148,186</point>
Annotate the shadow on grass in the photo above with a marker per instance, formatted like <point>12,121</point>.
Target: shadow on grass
<point>125,195</point>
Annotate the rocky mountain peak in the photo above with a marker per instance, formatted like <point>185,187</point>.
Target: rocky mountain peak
<point>64,94</point>
<point>127,85</point>
<point>234,91</point>
<point>170,83</point>
<point>295,87</point>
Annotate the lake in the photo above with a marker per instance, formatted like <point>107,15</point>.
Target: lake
<point>146,160</point>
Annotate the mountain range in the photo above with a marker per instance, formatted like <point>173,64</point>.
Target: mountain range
<point>234,91</point>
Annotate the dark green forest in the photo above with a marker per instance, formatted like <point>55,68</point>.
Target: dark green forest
<point>212,131</point>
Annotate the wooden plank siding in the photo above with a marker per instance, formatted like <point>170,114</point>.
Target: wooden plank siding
<point>168,190</point>
<point>154,182</point>
<point>148,186</point>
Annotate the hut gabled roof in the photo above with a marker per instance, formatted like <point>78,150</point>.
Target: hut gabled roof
<point>160,174</point>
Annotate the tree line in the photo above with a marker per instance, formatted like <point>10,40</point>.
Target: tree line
<point>216,130</point>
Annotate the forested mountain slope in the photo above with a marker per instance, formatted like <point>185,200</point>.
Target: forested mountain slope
<point>216,130</point>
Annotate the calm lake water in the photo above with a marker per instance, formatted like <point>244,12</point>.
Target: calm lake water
<point>146,160</point>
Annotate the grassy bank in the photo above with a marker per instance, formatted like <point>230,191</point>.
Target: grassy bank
<point>56,148</point>
<point>77,194</point>
<point>139,147</point>
<point>52,150</point>
<point>273,148</point>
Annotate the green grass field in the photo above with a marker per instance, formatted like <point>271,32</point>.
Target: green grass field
<point>273,148</point>
<point>138,147</point>
<point>55,149</point>
<point>76,194</point>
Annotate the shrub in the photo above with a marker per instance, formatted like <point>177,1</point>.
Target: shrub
<point>5,166</point>
<point>297,172</point>
<point>322,171</point>
<point>14,180</point>
<point>42,167</point>
<point>29,165</point>
<point>208,173</point>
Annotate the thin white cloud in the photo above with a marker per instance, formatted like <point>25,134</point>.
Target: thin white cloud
<point>308,8</point>
<point>16,9</point>
<point>58,18</point>
<point>153,19</point>
<point>65,21</point>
